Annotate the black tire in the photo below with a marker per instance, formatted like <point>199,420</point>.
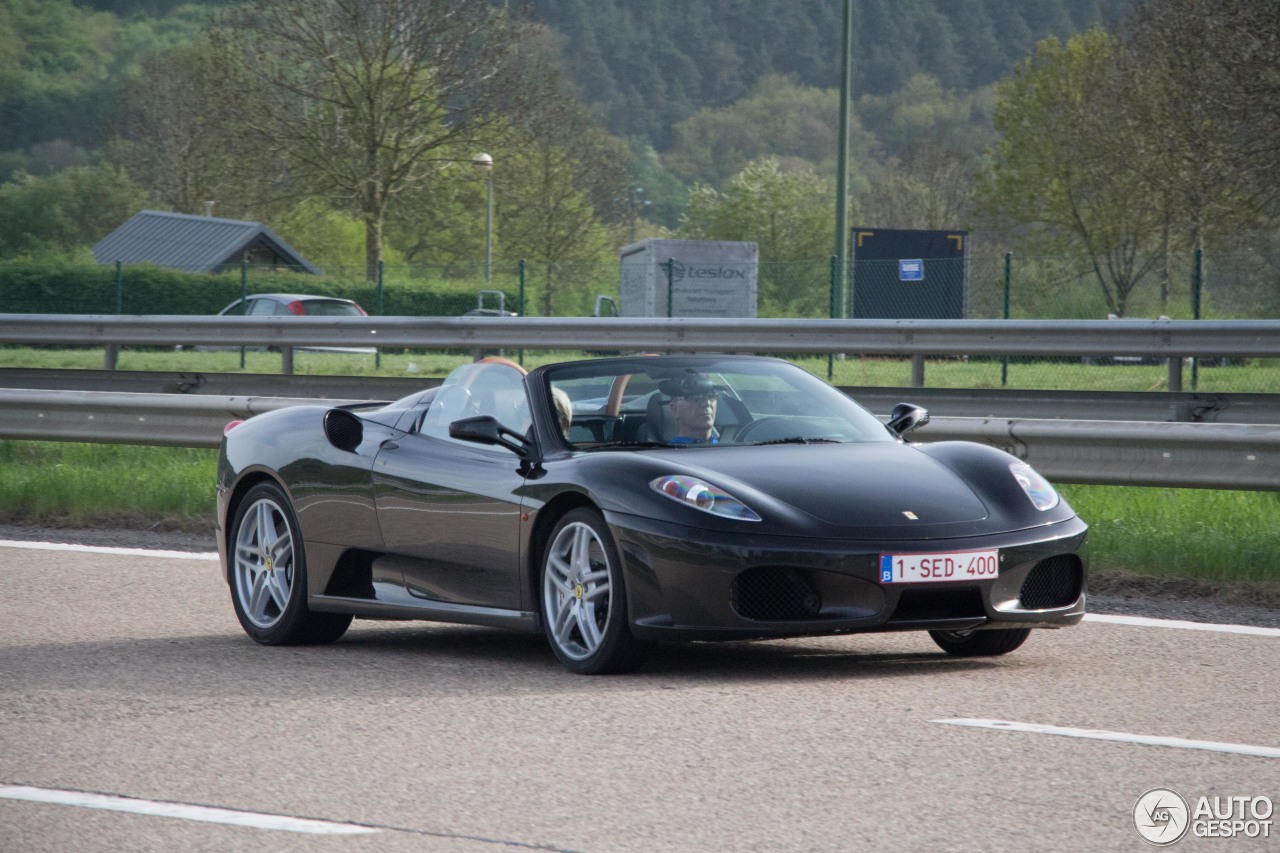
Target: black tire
<point>584,598</point>
<point>972,644</point>
<point>268,574</point>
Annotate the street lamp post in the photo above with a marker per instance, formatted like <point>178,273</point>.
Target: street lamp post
<point>484,163</point>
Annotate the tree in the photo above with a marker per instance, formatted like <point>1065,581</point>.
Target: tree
<point>358,96</point>
<point>790,214</point>
<point>779,119</point>
<point>1204,115</point>
<point>557,174</point>
<point>183,136</point>
<point>66,211</point>
<point>1054,168</point>
<point>930,187</point>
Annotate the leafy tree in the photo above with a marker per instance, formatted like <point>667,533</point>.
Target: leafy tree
<point>71,209</point>
<point>184,138</point>
<point>930,187</point>
<point>1203,111</point>
<point>331,239</point>
<point>789,214</point>
<point>922,112</point>
<point>558,175</point>
<point>779,119</point>
<point>1052,166</point>
<point>359,95</point>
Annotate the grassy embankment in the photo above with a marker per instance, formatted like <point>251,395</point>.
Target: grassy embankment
<point>1219,537</point>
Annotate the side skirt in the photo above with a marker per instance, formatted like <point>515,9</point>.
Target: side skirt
<point>429,611</point>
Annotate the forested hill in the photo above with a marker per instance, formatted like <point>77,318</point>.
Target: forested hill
<point>646,64</point>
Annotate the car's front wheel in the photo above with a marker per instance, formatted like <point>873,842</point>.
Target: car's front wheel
<point>584,599</point>
<point>998,641</point>
<point>269,574</point>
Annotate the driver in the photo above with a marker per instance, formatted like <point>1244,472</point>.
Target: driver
<point>693,405</point>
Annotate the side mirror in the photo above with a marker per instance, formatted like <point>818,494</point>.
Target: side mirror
<point>906,417</point>
<point>485,429</point>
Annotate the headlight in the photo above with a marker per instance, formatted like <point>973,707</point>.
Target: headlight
<point>1043,496</point>
<point>699,494</point>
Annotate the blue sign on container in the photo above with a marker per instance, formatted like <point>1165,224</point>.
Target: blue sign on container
<point>911,270</point>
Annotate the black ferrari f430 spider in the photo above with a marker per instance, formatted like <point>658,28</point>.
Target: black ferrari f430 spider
<point>614,503</point>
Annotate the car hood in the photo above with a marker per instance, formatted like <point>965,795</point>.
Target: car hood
<point>880,489</point>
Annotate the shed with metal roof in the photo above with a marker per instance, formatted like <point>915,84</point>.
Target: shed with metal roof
<point>197,244</point>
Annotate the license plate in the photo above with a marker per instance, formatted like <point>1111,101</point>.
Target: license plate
<point>939,568</point>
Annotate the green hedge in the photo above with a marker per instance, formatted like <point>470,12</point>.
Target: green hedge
<point>80,288</point>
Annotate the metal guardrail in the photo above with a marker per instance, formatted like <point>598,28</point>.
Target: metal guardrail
<point>942,402</point>
<point>1209,455</point>
<point>1170,340</point>
<point>1149,338</point>
<point>1204,455</point>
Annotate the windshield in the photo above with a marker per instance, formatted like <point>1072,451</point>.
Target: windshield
<point>702,400</point>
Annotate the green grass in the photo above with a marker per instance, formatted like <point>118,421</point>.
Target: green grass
<point>1253,376</point>
<point>1216,536</point>
<point>1201,534</point>
<point>60,483</point>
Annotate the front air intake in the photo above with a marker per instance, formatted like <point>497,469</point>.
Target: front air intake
<point>776,594</point>
<point>1052,582</point>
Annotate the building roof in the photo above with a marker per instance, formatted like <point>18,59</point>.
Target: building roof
<point>196,243</point>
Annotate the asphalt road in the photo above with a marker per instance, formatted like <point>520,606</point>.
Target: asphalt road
<point>128,676</point>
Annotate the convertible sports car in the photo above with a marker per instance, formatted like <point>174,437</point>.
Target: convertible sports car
<point>616,502</point>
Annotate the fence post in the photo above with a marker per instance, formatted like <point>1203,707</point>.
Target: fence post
<point>1196,283</point>
<point>833,286</point>
<point>377,351</point>
<point>111,352</point>
<point>1008,280</point>
<point>671,274</point>
<point>520,307</point>
<point>244,296</point>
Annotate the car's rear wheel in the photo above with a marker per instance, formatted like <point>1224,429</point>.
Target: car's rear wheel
<point>584,599</point>
<point>998,641</point>
<point>269,574</point>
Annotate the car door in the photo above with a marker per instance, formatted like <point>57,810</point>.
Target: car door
<point>450,510</point>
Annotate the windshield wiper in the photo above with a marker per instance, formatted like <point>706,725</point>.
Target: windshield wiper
<point>798,439</point>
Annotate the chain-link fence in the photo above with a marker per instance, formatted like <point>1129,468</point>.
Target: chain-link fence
<point>1244,285</point>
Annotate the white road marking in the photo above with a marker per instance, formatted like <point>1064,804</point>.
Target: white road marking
<point>178,810</point>
<point>1123,737</point>
<point>1144,622</point>
<point>1135,621</point>
<point>102,549</point>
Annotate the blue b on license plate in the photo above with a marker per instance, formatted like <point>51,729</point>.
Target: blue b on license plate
<point>939,568</point>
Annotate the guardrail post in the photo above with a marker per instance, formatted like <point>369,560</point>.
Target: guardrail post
<point>1175,375</point>
<point>286,360</point>
<point>917,371</point>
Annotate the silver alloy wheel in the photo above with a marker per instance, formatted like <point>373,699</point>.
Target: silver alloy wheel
<point>576,587</point>
<point>264,563</point>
